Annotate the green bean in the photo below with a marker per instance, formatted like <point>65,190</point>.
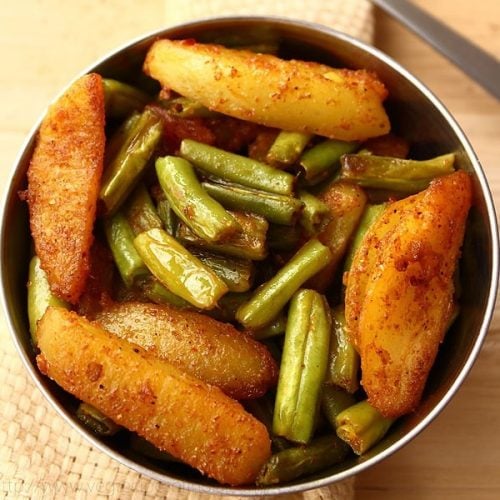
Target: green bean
<point>287,148</point>
<point>164,210</point>
<point>334,400</point>
<point>236,273</point>
<point>290,464</point>
<point>184,107</point>
<point>190,202</point>
<point>140,211</point>
<point>346,202</point>
<point>315,214</point>
<point>96,421</point>
<point>273,329</point>
<point>116,141</point>
<point>343,362</point>
<point>361,426</point>
<point>231,167</point>
<point>273,207</point>
<point>248,243</point>
<point>158,294</point>
<point>271,297</point>
<point>122,99</point>
<point>322,160</point>
<point>178,270</point>
<point>39,296</point>
<point>125,168</point>
<point>370,215</point>
<point>382,172</point>
<point>303,366</point>
<point>120,239</point>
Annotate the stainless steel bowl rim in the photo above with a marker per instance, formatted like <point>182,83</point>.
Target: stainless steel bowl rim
<point>311,484</point>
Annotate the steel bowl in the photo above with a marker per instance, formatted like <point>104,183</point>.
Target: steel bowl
<point>415,114</point>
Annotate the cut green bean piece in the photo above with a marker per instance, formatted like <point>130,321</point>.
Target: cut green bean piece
<point>167,216</point>
<point>248,243</point>
<point>361,426</point>
<point>303,366</point>
<point>122,99</point>
<point>236,273</point>
<point>382,172</point>
<point>231,167</point>
<point>322,160</point>
<point>346,202</point>
<point>159,294</point>
<point>287,148</point>
<point>315,214</point>
<point>370,215</point>
<point>273,207</point>
<point>140,211</point>
<point>343,362</point>
<point>96,421</point>
<point>164,210</point>
<point>124,170</point>
<point>116,141</point>
<point>272,296</point>
<point>184,107</point>
<point>39,296</point>
<point>334,400</point>
<point>177,269</point>
<point>202,214</point>
<point>273,329</point>
<point>120,239</point>
<point>290,464</point>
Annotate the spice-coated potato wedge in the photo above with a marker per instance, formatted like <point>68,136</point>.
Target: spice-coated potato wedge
<point>197,344</point>
<point>63,185</point>
<point>399,295</point>
<point>290,95</point>
<point>178,413</point>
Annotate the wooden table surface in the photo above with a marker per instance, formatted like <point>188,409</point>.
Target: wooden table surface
<point>459,455</point>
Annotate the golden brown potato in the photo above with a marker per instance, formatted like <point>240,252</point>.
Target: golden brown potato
<point>399,295</point>
<point>290,95</point>
<point>178,413</point>
<point>63,184</point>
<point>197,344</point>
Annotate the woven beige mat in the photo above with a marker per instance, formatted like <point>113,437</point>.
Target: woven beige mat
<point>41,456</point>
<point>354,17</point>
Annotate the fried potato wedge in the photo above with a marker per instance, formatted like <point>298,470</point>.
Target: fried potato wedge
<point>63,185</point>
<point>399,295</point>
<point>290,95</point>
<point>178,413</point>
<point>197,344</point>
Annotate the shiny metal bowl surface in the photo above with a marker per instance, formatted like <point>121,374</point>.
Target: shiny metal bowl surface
<point>415,113</point>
